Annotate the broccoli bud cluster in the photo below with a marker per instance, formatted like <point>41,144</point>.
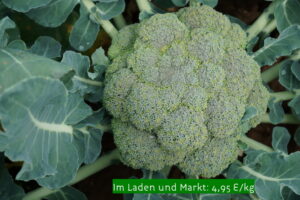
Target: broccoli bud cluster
<point>178,88</point>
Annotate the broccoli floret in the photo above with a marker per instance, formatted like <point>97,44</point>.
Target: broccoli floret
<point>211,159</point>
<point>178,88</point>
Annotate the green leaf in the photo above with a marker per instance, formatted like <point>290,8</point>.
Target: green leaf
<point>53,14</point>
<point>272,171</point>
<point>17,65</point>
<point>84,32</point>
<point>6,24</point>
<point>297,136</point>
<point>280,139</point>
<point>81,81</point>
<point>8,189</point>
<point>25,6</point>
<point>250,112</point>
<point>296,69</point>
<point>17,44</point>
<point>286,76</point>
<point>287,42</point>
<point>46,46</point>
<point>92,128</point>
<point>66,193</point>
<point>294,104</point>
<point>211,3</point>
<point>107,11</point>
<point>180,3</point>
<point>276,112</point>
<point>99,57</point>
<point>38,116</point>
<point>287,14</point>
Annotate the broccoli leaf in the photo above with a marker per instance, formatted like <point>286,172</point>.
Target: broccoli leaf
<point>276,113</point>
<point>280,139</point>
<point>287,14</point>
<point>53,14</point>
<point>286,76</point>
<point>6,24</point>
<point>38,116</point>
<point>297,136</point>
<point>287,42</point>
<point>109,10</point>
<point>295,106</point>
<point>269,181</point>
<point>81,81</point>
<point>23,65</point>
<point>47,47</point>
<point>84,32</point>
<point>17,44</point>
<point>295,68</point>
<point>25,6</point>
<point>67,193</point>
<point>8,189</point>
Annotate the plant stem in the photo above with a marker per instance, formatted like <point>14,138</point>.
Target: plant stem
<point>255,145</point>
<point>287,119</point>
<point>84,172</point>
<point>283,96</point>
<point>144,5</point>
<point>264,19</point>
<point>105,24</point>
<point>120,21</point>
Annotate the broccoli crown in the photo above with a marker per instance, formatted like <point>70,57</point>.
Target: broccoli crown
<point>178,87</point>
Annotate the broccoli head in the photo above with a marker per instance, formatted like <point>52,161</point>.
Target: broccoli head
<point>178,88</point>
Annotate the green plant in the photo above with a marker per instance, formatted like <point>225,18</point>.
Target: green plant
<point>178,88</point>
<point>183,88</point>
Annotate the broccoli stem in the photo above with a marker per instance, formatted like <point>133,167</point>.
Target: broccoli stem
<point>273,72</point>
<point>283,96</point>
<point>255,145</point>
<point>287,119</point>
<point>264,19</point>
<point>105,24</point>
<point>144,5</point>
<point>82,173</point>
<point>120,21</point>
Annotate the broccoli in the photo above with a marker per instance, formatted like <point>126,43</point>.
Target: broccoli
<point>178,88</point>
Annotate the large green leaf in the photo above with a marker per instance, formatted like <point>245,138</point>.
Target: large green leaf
<point>84,32</point>
<point>46,46</point>
<point>66,193</point>
<point>295,68</point>
<point>287,14</point>
<point>38,116</point>
<point>81,81</point>
<point>297,136</point>
<point>8,189</point>
<point>272,171</point>
<point>287,42</point>
<point>53,14</point>
<point>16,65</point>
<point>25,6</point>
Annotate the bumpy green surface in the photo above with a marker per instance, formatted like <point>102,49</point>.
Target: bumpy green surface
<point>178,87</point>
